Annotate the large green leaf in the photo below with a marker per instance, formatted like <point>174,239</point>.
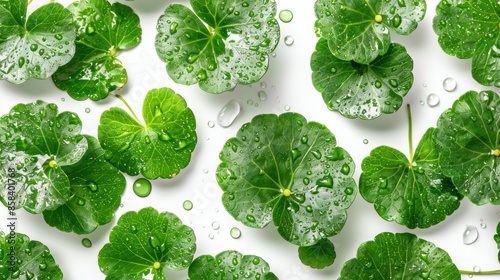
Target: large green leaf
<point>468,140</point>
<point>232,50</point>
<point>412,193</point>
<point>288,170</point>
<point>319,255</point>
<point>96,189</point>
<point>146,242</point>
<point>359,30</point>
<point>362,90</point>
<point>470,29</point>
<point>399,256</point>
<point>104,30</point>
<point>36,141</point>
<point>227,264</point>
<point>37,46</point>
<point>162,147</point>
<point>23,258</point>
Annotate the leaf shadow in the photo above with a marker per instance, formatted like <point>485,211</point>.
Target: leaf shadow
<point>34,89</point>
<point>147,6</point>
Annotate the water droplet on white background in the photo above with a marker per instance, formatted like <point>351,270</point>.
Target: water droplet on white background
<point>228,113</point>
<point>432,100</point>
<point>476,269</point>
<point>262,95</point>
<point>263,84</point>
<point>289,40</point>
<point>470,235</point>
<point>449,84</point>
<point>215,225</point>
<point>211,124</point>
<point>235,233</point>
<point>211,236</point>
<point>287,107</point>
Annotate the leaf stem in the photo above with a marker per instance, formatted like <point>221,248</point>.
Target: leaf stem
<point>410,138</point>
<point>488,272</point>
<point>29,2</point>
<point>129,108</point>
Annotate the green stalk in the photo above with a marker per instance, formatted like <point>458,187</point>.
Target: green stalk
<point>410,141</point>
<point>489,272</point>
<point>129,108</point>
<point>29,2</point>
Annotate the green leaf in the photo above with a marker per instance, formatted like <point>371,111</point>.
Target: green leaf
<point>234,49</point>
<point>467,138</point>
<point>147,242</point>
<point>229,263</point>
<point>162,147</point>
<point>362,90</point>
<point>36,46</point>
<point>319,255</point>
<point>96,189</point>
<point>471,30</point>
<point>36,142</point>
<point>359,30</point>
<point>26,259</point>
<point>104,30</point>
<point>496,237</point>
<point>288,170</point>
<point>399,256</point>
<point>414,194</point>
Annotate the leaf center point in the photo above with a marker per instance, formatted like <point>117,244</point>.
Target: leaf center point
<point>496,152</point>
<point>378,18</point>
<point>156,265</point>
<point>287,192</point>
<point>52,163</point>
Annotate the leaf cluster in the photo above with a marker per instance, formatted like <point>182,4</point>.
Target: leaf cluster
<point>357,69</point>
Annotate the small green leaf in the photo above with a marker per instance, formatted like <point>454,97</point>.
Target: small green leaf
<point>414,194</point>
<point>319,255</point>
<point>227,264</point>
<point>468,140</point>
<point>96,189</point>
<point>288,170</point>
<point>496,237</point>
<point>471,30</point>
<point>162,147</point>
<point>37,46</point>
<point>359,30</point>
<point>32,259</point>
<point>399,256</point>
<point>104,30</point>
<point>233,50</point>
<point>35,142</point>
<point>362,90</point>
<point>147,242</point>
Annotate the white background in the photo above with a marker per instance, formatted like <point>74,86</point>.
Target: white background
<point>288,84</point>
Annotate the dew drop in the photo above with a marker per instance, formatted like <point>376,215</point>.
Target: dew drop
<point>263,84</point>
<point>262,95</point>
<point>482,225</point>
<point>235,233</point>
<point>432,100</point>
<point>251,218</point>
<point>92,186</point>
<point>34,47</point>
<point>365,141</point>
<point>86,243</point>
<point>287,107</point>
<point>80,201</point>
<point>42,266</point>
<point>422,102</point>
<point>63,99</point>
<point>215,225</point>
<point>470,235</point>
<point>211,124</point>
<point>154,243</point>
<point>396,21</point>
<point>173,28</point>
<point>449,84</point>
<point>228,113</point>
<point>345,169</point>
<point>382,183</point>
<point>87,110</point>
<point>142,187</point>
<point>289,40</point>
<point>187,205</point>
<point>211,236</point>
<point>286,16</point>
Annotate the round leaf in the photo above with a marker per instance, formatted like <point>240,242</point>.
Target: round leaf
<point>104,30</point>
<point>319,255</point>
<point>467,138</point>
<point>37,46</point>
<point>229,263</point>
<point>359,30</point>
<point>35,142</point>
<point>233,50</point>
<point>362,90</point>
<point>399,256</point>
<point>162,147</point>
<point>147,242</point>
<point>470,30</point>
<point>414,194</point>
<point>284,169</point>
<point>26,259</point>
<point>96,189</point>
<point>496,237</point>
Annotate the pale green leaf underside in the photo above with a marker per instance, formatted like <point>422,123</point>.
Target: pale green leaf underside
<point>233,50</point>
<point>229,263</point>
<point>141,239</point>
<point>471,30</point>
<point>274,153</point>
<point>96,189</point>
<point>35,258</point>
<point>466,137</point>
<point>162,147</point>
<point>362,91</point>
<point>31,137</point>
<point>399,256</point>
<point>352,31</point>
<point>414,194</point>
<point>36,47</point>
